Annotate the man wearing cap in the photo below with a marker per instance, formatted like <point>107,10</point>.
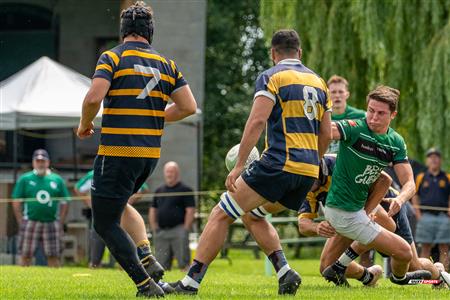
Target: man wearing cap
<point>433,194</point>
<point>44,208</point>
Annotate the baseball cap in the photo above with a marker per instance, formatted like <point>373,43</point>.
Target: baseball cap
<point>41,154</point>
<point>433,151</point>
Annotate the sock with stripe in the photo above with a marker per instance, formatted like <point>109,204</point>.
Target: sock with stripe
<point>195,275</point>
<point>344,260</point>
<point>366,277</point>
<point>145,253</point>
<point>279,262</point>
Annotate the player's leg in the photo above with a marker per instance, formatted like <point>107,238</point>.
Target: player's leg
<point>418,263</point>
<point>262,231</point>
<point>231,206</point>
<point>443,255</point>
<point>96,249</point>
<point>132,222</point>
<point>51,238</point>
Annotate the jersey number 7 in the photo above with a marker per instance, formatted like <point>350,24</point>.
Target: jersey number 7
<point>152,83</point>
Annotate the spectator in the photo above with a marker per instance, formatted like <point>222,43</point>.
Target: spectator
<point>40,217</point>
<point>96,244</point>
<point>171,218</point>
<point>433,191</point>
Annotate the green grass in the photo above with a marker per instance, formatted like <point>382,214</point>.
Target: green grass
<point>242,279</point>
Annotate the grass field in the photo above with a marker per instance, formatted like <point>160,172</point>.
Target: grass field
<point>242,279</point>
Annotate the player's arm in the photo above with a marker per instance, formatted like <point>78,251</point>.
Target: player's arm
<point>91,106</point>
<point>261,110</point>
<point>17,208</point>
<point>183,105</point>
<point>63,209</point>
<point>377,191</point>
<point>18,192</point>
<point>382,218</point>
<point>406,178</point>
<point>308,227</point>
<point>325,133</point>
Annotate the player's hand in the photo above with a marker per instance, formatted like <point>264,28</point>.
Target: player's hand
<point>394,207</point>
<point>231,179</point>
<point>325,229</point>
<point>85,131</point>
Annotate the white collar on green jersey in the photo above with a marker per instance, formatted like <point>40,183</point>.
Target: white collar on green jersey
<point>289,61</point>
<point>48,172</point>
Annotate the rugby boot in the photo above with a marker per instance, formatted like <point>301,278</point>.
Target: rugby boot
<point>337,278</point>
<point>289,283</point>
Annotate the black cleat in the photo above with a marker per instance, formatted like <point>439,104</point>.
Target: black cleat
<point>289,283</point>
<point>336,277</point>
<point>166,287</point>
<point>419,274</point>
<point>154,269</point>
<point>179,288</point>
<point>150,290</point>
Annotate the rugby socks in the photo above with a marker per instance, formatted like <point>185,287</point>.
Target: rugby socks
<point>145,253</point>
<point>346,258</point>
<point>397,279</point>
<point>366,277</point>
<point>279,262</point>
<point>195,275</point>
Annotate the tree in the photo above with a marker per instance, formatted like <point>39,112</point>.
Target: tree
<point>235,55</point>
<point>403,44</point>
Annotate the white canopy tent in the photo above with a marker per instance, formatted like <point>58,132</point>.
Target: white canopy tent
<point>43,95</point>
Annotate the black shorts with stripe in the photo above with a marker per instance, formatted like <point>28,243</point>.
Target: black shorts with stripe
<point>277,185</point>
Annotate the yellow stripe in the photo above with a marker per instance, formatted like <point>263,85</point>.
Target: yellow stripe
<point>143,282</point>
<point>143,243</point>
<point>172,64</point>
<point>301,169</point>
<point>135,92</point>
<point>144,55</point>
<point>132,131</point>
<point>126,72</point>
<point>128,151</point>
<point>103,66</point>
<point>133,112</point>
<point>419,181</point>
<point>289,77</point>
<point>294,109</point>
<point>113,56</point>
<point>302,140</point>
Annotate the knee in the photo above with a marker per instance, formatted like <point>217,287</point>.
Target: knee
<point>218,215</point>
<point>403,254</point>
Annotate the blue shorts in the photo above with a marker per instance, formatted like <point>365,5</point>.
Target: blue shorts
<point>278,186</point>
<point>433,229</point>
<point>120,177</point>
<point>403,228</point>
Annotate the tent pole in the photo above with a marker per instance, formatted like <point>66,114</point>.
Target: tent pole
<point>74,152</point>
<point>15,155</point>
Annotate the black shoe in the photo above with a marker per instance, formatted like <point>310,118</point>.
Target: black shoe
<point>166,287</point>
<point>150,290</point>
<point>289,283</point>
<point>154,269</point>
<point>336,277</point>
<point>179,288</point>
<point>419,274</point>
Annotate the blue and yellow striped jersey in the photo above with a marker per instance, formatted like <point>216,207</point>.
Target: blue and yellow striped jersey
<point>301,99</point>
<point>142,81</point>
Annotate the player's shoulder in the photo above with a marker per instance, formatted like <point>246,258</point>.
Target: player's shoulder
<point>395,137</point>
<point>355,113</point>
<point>26,176</point>
<point>55,176</point>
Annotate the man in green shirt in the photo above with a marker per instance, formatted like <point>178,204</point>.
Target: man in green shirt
<point>339,93</point>
<point>44,208</point>
<point>367,146</point>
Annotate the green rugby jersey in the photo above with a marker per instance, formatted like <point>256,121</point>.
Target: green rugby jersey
<point>41,189</point>
<point>350,113</point>
<point>362,156</point>
<point>84,184</point>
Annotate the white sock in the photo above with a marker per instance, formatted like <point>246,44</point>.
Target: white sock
<point>283,271</point>
<point>188,281</point>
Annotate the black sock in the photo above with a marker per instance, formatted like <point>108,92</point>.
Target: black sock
<point>366,277</point>
<point>344,260</point>
<point>197,271</point>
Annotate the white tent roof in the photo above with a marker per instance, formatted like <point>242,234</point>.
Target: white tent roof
<point>45,94</point>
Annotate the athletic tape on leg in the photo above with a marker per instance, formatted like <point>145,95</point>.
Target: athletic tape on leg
<point>230,206</point>
<point>259,212</point>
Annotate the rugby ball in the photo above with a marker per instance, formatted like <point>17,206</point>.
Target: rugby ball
<point>231,157</point>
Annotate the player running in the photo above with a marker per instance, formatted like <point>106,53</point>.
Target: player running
<point>136,83</point>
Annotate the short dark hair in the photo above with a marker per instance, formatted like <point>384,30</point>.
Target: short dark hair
<point>137,20</point>
<point>385,94</point>
<point>286,41</point>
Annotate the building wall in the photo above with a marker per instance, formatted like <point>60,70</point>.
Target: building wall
<point>180,33</point>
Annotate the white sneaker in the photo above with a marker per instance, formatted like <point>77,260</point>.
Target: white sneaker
<point>444,276</point>
<point>376,271</point>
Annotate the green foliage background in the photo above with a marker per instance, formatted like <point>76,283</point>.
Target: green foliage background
<point>401,43</point>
